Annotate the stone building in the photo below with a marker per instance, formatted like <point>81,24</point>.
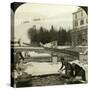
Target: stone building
<point>80,28</point>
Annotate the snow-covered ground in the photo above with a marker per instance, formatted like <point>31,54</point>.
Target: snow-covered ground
<point>29,48</point>
<point>35,54</point>
<point>37,68</point>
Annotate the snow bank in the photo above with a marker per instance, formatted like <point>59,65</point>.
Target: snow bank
<point>63,47</point>
<point>48,45</point>
<point>35,68</point>
<point>30,48</point>
<point>35,54</point>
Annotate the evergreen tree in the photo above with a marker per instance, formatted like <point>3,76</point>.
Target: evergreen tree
<point>62,36</point>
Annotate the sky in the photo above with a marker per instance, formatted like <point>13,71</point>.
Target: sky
<point>42,15</point>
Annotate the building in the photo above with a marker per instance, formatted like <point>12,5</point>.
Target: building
<point>80,28</point>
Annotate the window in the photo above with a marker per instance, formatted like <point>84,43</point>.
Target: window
<point>76,23</point>
<point>86,20</point>
<point>75,16</point>
<point>81,22</point>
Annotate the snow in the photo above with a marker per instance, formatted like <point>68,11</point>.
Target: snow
<point>30,48</point>
<point>48,45</point>
<point>35,68</point>
<point>35,54</point>
<point>63,47</point>
<point>82,46</point>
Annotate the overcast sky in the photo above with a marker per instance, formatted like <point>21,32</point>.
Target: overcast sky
<point>43,15</point>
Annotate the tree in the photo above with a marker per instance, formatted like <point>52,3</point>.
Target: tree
<point>53,34</point>
<point>69,38</point>
<point>45,36</point>
<point>32,34</point>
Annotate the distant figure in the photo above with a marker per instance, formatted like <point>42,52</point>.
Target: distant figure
<point>21,56</point>
<point>68,68</point>
<point>79,71</point>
